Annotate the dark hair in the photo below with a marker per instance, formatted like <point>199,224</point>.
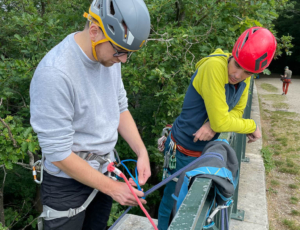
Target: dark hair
<point>238,66</point>
<point>87,24</point>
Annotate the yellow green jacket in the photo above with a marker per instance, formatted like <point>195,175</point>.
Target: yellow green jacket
<point>211,97</point>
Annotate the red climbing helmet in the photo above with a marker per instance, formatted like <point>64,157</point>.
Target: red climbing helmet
<point>255,49</point>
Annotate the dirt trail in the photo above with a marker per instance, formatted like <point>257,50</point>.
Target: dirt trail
<point>293,95</point>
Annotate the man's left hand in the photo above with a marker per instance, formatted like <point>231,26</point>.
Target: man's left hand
<point>143,167</point>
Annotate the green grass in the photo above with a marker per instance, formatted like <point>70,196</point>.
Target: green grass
<point>294,156</point>
<point>291,224</point>
<point>275,182</point>
<point>280,105</point>
<point>293,171</point>
<point>279,163</point>
<point>274,97</point>
<point>282,150</point>
<point>267,156</point>
<point>283,117</point>
<point>295,213</point>
<point>276,147</point>
<point>265,136</point>
<point>290,163</point>
<point>293,186</point>
<point>277,152</point>
<point>283,140</point>
<point>272,190</point>
<point>289,150</point>
<point>268,87</point>
<point>294,200</point>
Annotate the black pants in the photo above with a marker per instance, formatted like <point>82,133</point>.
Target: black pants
<point>62,194</point>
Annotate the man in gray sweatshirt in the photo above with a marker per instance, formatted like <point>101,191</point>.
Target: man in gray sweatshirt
<point>79,105</point>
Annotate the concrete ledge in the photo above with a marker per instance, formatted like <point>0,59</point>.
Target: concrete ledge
<point>133,222</point>
<point>252,189</point>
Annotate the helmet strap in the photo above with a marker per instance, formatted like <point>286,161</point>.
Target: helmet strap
<point>94,44</point>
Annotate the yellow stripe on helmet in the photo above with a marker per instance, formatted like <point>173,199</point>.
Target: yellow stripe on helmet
<point>99,23</point>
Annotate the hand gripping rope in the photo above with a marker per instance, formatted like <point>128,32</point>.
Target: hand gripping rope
<point>111,168</point>
<point>158,186</point>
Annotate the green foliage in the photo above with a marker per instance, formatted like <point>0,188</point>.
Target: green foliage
<point>287,27</point>
<point>19,194</point>
<point>294,200</point>
<point>156,78</point>
<point>15,141</point>
<point>267,156</point>
<point>3,228</point>
<point>114,214</point>
<point>268,87</point>
<point>291,224</point>
<point>295,213</point>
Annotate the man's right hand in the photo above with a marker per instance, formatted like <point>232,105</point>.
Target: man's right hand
<point>121,193</point>
<point>254,136</point>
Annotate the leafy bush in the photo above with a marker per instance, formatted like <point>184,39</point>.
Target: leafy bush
<point>156,78</point>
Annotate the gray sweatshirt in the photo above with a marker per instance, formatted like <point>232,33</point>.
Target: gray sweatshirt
<point>75,104</point>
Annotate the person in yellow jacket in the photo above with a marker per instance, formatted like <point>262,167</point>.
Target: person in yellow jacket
<point>215,102</point>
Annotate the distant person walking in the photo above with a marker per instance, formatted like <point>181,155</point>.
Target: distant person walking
<point>286,80</point>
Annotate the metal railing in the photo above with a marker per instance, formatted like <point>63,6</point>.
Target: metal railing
<point>192,213</point>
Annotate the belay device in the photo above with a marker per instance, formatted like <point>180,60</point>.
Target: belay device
<point>219,163</point>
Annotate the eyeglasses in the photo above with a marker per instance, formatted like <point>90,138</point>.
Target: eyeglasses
<point>118,53</point>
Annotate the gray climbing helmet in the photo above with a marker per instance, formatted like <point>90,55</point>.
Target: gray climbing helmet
<point>114,16</point>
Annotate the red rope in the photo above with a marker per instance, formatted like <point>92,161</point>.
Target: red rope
<point>111,168</point>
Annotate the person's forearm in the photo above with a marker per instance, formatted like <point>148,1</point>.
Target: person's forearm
<point>81,171</point>
<point>128,130</point>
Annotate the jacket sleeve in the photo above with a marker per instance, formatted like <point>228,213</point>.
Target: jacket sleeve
<point>238,110</point>
<point>210,84</point>
<point>52,112</point>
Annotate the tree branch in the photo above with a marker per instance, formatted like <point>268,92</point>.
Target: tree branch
<point>31,158</point>
<point>197,22</point>
<point>26,166</point>
<point>9,133</point>
<point>29,223</point>
<point>238,17</point>
<point>24,103</point>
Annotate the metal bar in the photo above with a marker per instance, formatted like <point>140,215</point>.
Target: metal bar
<point>192,212</point>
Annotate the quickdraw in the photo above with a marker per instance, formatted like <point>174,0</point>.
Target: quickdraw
<point>172,161</point>
<point>170,155</point>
